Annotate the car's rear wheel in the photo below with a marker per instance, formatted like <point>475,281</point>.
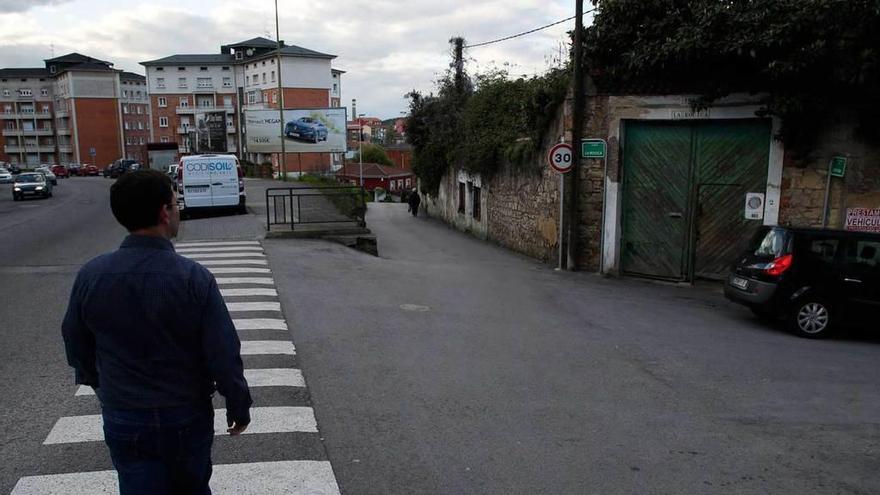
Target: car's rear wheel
<point>812,317</point>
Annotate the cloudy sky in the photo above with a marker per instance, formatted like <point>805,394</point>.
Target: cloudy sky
<point>387,48</point>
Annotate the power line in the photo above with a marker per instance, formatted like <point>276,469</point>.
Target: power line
<point>499,40</point>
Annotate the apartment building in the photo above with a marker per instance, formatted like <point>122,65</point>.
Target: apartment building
<point>66,112</point>
<point>136,126</point>
<point>192,92</point>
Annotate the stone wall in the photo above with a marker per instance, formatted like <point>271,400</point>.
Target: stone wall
<point>804,181</point>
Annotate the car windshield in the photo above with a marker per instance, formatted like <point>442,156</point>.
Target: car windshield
<point>30,178</point>
<point>773,243</point>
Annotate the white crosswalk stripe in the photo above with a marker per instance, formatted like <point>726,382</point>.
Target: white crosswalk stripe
<point>254,478</point>
<point>243,271</point>
<point>245,281</point>
<point>248,292</point>
<point>90,428</point>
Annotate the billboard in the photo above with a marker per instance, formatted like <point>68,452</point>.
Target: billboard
<point>210,132</point>
<point>316,130</point>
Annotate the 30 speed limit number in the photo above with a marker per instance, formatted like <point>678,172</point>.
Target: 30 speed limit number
<point>561,158</point>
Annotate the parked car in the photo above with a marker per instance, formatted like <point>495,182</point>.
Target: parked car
<point>106,171</point>
<point>814,279</point>
<point>210,182</point>
<point>48,173</point>
<point>13,169</point>
<point>306,128</point>
<point>74,169</point>
<point>31,184</point>
<point>122,166</point>
<point>60,171</point>
<point>5,176</point>
<point>91,171</point>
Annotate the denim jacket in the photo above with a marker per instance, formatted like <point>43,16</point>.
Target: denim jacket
<point>148,328</point>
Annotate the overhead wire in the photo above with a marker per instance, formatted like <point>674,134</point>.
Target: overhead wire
<point>499,40</point>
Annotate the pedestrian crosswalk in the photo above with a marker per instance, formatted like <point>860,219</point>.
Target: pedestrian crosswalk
<point>281,415</point>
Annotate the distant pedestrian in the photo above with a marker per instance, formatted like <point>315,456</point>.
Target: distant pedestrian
<point>414,202</point>
<point>148,330</point>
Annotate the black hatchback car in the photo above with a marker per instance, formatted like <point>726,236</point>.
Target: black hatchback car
<point>814,279</point>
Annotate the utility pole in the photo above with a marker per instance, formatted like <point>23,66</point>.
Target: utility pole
<point>576,132</point>
<point>280,95</point>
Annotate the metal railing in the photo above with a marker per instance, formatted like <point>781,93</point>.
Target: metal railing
<point>298,205</point>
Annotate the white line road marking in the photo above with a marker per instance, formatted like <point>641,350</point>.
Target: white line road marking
<point>253,306</point>
<point>245,280</point>
<point>90,428</point>
<point>278,477</point>
<point>259,347</point>
<point>186,245</point>
<point>248,292</point>
<point>269,377</point>
<point>208,256</point>
<point>227,271</point>
<point>232,262</point>
<point>259,324</point>
<point>248,249</point>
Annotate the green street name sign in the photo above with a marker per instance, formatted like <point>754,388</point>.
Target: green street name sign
<point>838,166</point>
<point>592,148</point>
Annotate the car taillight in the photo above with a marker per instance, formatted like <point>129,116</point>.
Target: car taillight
<point>778,266</point>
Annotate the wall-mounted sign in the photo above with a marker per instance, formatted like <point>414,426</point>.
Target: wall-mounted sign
<point>592,148</point>
<point>838,166</point>
<point>689,114</point>
<point>863,219</point>
<point>754,206</point>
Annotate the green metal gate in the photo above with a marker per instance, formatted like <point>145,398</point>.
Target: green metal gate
<point>684,187</point>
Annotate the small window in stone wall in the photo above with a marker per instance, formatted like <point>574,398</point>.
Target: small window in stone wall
<point>476,203</point>
<point>461,197</point>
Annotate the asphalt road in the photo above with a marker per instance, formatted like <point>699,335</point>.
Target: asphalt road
<point>43,242</point>
<point>448,365</point>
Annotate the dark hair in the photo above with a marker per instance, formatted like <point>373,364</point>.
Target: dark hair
<point>137,197</point>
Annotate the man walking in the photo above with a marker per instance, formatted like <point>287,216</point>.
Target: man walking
<point>149,331</point>
<point>414,202</point>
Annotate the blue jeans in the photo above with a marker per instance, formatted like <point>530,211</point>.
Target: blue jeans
<point>161,451</point>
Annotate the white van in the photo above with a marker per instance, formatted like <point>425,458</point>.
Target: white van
<point>210,181</point>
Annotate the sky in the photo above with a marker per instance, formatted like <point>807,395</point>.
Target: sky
<point>387,48</point>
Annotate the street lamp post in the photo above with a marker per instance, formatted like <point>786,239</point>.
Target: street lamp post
<point>360,146</point>
<point>280,95</point>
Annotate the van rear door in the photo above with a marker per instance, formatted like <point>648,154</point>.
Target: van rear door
<point>224,181</point>
<point>196,182</point>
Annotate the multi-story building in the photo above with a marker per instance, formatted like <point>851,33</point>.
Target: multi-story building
<point>67,112</point>
<point>205,89</point>
<point>136,126</point>
<point>26,116</point>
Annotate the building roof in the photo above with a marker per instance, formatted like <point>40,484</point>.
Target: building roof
<point>132,75</point>
<point>73,58</point>
<point>90,66</point>
<point>193,59</point>
<point>258,42</point>
<point>22,72</point>
<point>294,51</point>
<point>373,171</point>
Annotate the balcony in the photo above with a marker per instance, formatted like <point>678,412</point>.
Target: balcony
<point>185,110</point>
<point>62,113</point>
<point>185,129</point>
<point>65,148</point>
<point>183,149</point>
<point>231,148</point>
<point>63,131</point>
<point>13,148</point>
<point>25,115</point>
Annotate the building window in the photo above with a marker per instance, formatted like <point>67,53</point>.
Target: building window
<point>160,82</point>
<point>184,102</point>
<point>273,76</point>
<point>264,63</point>
<point>227,82</point>
<point>275,97</point>
<point>142,140</point>
<point>160,69</point>
<point>25,92</point>
<point>252,98</point>
<point>335,87</point>
<point>139,110</point>
<point>181,68</point>
<point>6,92</point>
<point>227,101</point>
<point>127,126</point>
<point>162,102</point>
<point>163,121</point>
<point>181,82</point>
<point>203,69</point>
<point>204,82</point>
<point>124,108</point>
<point>256,79</point>
<point>476,203</point>
<point>140,126</point>
<point>461,197</point>
<point>124,93</point>
<point>225,68</point>
<point>408,182</point>
<point>44,92</point>
<point>264,78</point>
<point>164,139</point>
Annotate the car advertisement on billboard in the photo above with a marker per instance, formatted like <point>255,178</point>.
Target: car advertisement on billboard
<point>316,130</point>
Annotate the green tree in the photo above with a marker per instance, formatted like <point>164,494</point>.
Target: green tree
<point>373,153</point>
<point>809,57</point>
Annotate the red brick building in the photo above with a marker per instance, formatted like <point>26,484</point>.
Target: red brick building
<point>392,179</point>
<point>135,103</point>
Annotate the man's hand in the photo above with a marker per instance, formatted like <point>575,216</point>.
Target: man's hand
<point>237,425</point>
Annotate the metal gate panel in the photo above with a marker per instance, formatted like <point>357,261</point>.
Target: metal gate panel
<point>731,159</point>
<point>656,188</point>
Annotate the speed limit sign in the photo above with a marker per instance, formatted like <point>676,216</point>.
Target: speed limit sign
<point>561,158</point>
